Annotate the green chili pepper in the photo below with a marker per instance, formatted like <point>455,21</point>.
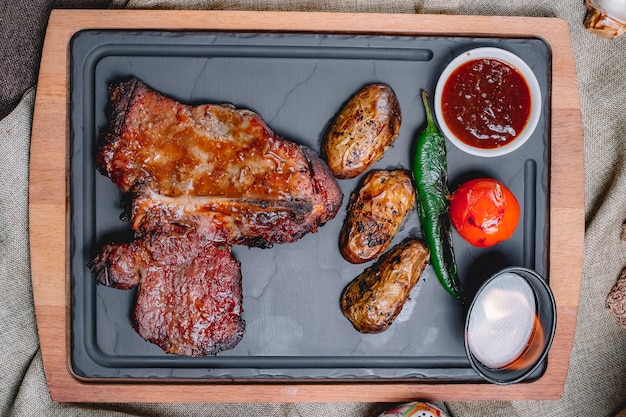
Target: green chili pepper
<point>430,168</point>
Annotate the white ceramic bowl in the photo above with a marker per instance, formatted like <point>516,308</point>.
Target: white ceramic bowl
<point>535,99</point>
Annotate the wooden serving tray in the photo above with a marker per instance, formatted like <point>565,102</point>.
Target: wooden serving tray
<point>50,204</point>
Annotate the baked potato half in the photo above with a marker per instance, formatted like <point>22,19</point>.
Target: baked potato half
<point>362,131</point>
<point>376,211</point>
<point>373,300</point>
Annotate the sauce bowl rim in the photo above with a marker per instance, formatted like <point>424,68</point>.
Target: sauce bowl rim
<point>547,313</point>
<point>535,99</point>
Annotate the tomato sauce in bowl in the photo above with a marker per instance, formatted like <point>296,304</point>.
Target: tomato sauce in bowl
<point>486,103</point>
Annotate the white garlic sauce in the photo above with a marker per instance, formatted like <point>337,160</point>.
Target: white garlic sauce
<point>501,320</point>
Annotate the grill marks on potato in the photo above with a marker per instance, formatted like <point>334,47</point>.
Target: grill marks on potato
<point>376,212</point>
<point>362,131</point>
<point>373,300</point>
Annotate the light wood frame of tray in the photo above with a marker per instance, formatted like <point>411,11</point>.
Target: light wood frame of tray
<point>49,203</point>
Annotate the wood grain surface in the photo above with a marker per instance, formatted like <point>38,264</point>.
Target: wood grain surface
<point>49,203</point>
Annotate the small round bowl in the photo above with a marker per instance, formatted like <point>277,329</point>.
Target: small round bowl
<point>535,100</point>
<point>496,300</point>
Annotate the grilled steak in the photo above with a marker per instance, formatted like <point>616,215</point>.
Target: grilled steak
<point>214,166</point>
<point>202,178</point>
<point>189,300</point>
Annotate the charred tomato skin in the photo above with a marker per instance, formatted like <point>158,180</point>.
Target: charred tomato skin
<point>484,212</point>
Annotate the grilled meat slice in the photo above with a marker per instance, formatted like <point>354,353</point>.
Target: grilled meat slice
<point>189,300</point>
<point>215,167</point>
<point>118,265</point>
<point>201,178</point>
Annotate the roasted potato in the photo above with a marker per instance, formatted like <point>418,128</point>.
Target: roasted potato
<point>363,130</point>
<point>374,299</point>
<point>376,212</point>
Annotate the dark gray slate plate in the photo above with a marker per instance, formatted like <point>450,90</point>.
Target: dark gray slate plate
<point>297,83</point>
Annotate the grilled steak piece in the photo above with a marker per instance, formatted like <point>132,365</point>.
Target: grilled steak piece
<point>216,167</point>
<point>202,178</point>
<point>189,300</point>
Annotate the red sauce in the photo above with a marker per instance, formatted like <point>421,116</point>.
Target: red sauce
<point>486,103</point>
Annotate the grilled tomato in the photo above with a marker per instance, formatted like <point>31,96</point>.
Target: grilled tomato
<point>484,212</point>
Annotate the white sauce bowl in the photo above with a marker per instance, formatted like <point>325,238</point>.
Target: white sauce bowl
<point>528,361</point>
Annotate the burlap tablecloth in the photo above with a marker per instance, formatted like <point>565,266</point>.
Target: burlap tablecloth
<point>596,382</point>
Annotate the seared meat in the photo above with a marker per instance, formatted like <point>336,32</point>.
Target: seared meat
<point>189,300</point>
<point>202,178</point>
<point>216,167</point>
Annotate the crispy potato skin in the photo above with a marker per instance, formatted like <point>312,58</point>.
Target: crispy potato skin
<point>376,211</point>
<point>363,130</point>
<point>374,299</point>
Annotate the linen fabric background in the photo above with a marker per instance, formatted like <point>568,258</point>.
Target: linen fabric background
<point>596,382</point>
